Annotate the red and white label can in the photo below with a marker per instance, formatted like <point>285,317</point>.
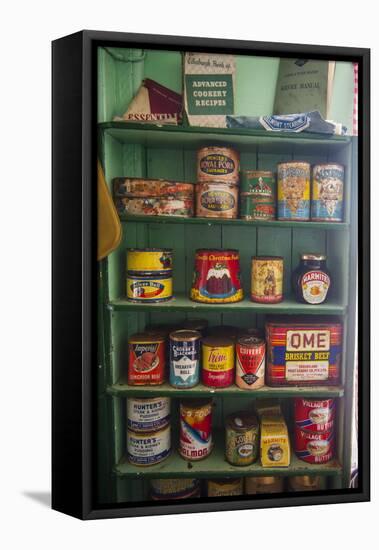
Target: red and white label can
<point>315,448</point>
<point>315,415</point>
<point>195,440</point>
<point>250,362</point>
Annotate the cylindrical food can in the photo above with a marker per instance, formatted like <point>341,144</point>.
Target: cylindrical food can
<point>314,447</point>
<point>216,200</point>
<point>315,415</point>
<point>327,192</point>
<point>200,325</point>
<point>220,164</point>
<point>195,441</point>
<point>294,191</point>
<point>267,279</point>
<point>242,438</point>
<point>147,359</point>
<point>250,362</point>
<point>139,260</point>
<point>258,195</point>
<point>174,489</point>
<point>184,358</point>
<point>305,483</point>
<point>146,449</point>
<point>149,288</point>
<point>147,414</point>
<point>218,361</point>
<point>216,277</point>
<point>263,485</point>
<point>227,487</point>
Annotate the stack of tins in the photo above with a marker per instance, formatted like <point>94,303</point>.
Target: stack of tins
<point>314,429</point>
<point>149,274</point>
<point>148,437</point>
<point>150,197</point>
<point>217,182</point>
<point>258,195</point>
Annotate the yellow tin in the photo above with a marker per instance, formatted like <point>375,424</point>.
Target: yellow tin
<point>148,259</point>
<point>149,287</point>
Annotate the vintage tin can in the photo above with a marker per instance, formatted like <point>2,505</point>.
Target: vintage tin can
<point>182,207</point>
<point>305,483</point>
<point>146,449</point>
<point>184,358</point>
<point>147,414</point>
<point>250,362</point>
<point>147,359</point>
<point>267,279</point>
<point>312,447</point>
<point>294,191</point>
<point>218,362</point>
<point>315,415</point>
<point>217,164</point>
<point>149,260</point>
<point>228,487</point>
<point>141,187</point>
<point>195,440</point>
<point>303,354</point>
<point>149,287</point>
<point>216,278</point>
<point>216,200</point>
<point>259,485</point>
<point>174,489</point>
<point>327,192</point>
<point>258,195</point>
<point>242,438</point>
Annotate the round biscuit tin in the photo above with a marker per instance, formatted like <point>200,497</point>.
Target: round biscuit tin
<point>147,414</point>
<point>146,449</point>
<point>184,358</point>
<point>327,192</point>
<point>294,191</point>
<point>217,164</point>
<point>148,260</point>
<point>195,440</point>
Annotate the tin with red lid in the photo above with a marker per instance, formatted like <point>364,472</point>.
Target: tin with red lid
<point>216,278</point>
<point>314,447</point>
<point>315,415</point>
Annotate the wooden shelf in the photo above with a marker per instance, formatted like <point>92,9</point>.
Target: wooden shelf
<point>215,465</point>
<point>122,389</point>
<point>182,303</point>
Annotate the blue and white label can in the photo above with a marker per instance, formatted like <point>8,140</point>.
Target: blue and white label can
<point>184,358</point>
<point>294,191</point>
<point>146,449</point>
<point>147,415</point>
<point>327,192</point>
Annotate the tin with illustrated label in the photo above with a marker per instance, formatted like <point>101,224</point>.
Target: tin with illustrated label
<point>216,278</point>
<point>294,191</point>
<point>146,449</point>
<point>314,447</point>
<point>149,260</point>
<point>250,362</point>
<point>242,438</point>
<point>147,359</point>
<point>267,279</point>
<point>315,415</point>
<point>195,440</point>
<point>149,287</point>
<point>217,164</point>
<point>218,361</point>
<point>258,195</point>
<point>327,192</point>
<point>184,358</point>
<point>147,414</point>
<point>216,200</point>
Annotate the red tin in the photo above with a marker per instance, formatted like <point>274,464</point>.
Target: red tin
<point>315,415</point>
<point>315,448</point>
<point>217,276</point>
<point>147,359</point>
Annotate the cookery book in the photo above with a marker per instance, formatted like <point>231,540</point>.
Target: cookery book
<point>304,85</point>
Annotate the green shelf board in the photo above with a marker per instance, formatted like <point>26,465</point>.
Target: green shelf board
<point>236,222</point>
<point>152,135</point>
<point>122,389</point>
<point>215,465</point>
<point>182,303</point>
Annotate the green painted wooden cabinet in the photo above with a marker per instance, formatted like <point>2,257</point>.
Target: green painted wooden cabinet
<point>170,152</point>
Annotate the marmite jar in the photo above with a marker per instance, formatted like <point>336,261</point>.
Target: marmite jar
<point>311,279</point>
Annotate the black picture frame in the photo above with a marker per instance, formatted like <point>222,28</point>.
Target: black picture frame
<point>74,292</point>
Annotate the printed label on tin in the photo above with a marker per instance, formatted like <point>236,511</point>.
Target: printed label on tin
<point>146,357</point>
<point>195,443</point>
<point>250,363</point>
<point>305,370</point>
<point>148,414</point>
<point>293,191</point>
<point>148,450</point>
<point>217,164</point>
<point>217,201</point>
<point>146,289</point>
<point>184,363</point>
<point>327,196</point>
<point>315,285</point>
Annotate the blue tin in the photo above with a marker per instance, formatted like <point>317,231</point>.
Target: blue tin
<point>327,192</point>
<point>184,358</point>
<point>294,191</point>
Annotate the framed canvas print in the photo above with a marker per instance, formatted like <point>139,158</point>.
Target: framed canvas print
<point>210,275</point>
